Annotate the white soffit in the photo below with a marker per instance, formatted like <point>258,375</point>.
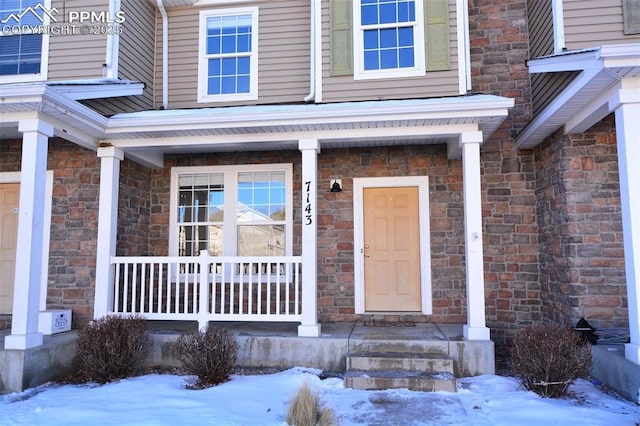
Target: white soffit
<point>405,116</point>
<point>97,89</point>
<point>584,101</point>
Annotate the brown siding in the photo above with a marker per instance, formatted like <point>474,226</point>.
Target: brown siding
<point>546,86</point>
<point>77,56</point>
<point>283,54</point>
<point>433,84</point>
<point>137,49</point>
<point>540,17</point>
<point>594,23</point>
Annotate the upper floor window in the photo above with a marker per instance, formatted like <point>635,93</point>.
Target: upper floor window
<point>23,41</point>
<point>228,63</point>
<point>388,38</point>
<point>232,210</point>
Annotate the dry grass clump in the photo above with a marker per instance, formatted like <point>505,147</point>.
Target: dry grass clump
<point>549,357</point>
<point>304,410</point>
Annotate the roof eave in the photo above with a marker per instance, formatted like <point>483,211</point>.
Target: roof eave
<point>600,69</point>
<point>247,117</point>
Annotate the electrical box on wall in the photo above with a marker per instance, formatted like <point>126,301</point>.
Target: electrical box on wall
<point>54,321</point>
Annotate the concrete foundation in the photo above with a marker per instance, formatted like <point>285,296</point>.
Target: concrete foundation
<point>53,360</point>
<point>616,372</point>
<point>277,345</point>
<point>274,345</point>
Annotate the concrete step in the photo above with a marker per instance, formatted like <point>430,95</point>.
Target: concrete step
<point>398,345</point>
<point>393,361</point>
<point>415,381</point>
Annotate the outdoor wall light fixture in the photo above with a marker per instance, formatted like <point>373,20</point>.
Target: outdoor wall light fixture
<point>336,185</point>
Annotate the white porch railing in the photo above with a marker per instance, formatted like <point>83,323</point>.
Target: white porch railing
<point>206,288</point>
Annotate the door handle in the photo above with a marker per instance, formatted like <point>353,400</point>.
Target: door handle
<point>366,247</point>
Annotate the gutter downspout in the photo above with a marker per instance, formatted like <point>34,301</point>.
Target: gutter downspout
<point>464,50</point>
<point>558,27</point>
<point>110,69</point>
<point>315,63</point>
<point>165,55</point>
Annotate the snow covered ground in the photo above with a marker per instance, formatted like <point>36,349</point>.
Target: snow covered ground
<point>262,400</point>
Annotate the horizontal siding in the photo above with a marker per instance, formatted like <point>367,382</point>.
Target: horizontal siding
<point>136,58</point>
<point>283,54</point>
<point>433,84</point>
<point>111,106</point>
<point>547,86</point>
<point>540,22</point>
<point>594,23</point>
<point>77,56</point>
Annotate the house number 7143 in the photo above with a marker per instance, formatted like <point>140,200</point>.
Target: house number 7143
<point>307,207</point>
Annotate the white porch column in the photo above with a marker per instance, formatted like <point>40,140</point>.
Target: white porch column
<point>110,158</point>
<point>627,111</point>
<point>309,326</point>
<point>27,279</point>
<point>475,329</point>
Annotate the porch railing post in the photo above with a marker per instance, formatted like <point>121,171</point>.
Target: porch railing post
<point>203,286</point>
<point>309,326</point>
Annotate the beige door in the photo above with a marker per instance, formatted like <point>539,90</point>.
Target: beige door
<point>391,249</point>
<point>9,201</point>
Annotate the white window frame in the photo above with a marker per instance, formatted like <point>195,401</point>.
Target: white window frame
<point>359,73</point>
<point>230,224</point>
<point>44,55</point>
<point>203,67</point>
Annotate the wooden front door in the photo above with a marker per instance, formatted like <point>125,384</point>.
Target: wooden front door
<point>9,202</point>
<point>391,249</point>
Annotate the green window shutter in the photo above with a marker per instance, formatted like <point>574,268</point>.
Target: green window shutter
<point>436,34</point>
<point>341,37</point>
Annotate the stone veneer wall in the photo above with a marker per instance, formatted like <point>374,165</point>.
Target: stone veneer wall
<point>134,210</point>
<point>74,220</point>
<point>335,217</point>
<point>582,255</point>
<point>499,50</point>
<point>335,223</point>
<point>161,185</point>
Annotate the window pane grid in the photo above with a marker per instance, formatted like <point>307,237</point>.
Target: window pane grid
<point>21,53</point>
<point>34,17</point>
<point>228,48</point>
<point>388,34</point>
<point>261,240</point>
<point>379,12</point>
<point>261,197</point>
<point>200,214</point>
<point>257,221</point>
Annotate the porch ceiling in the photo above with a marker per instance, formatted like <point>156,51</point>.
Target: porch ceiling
<point>151,134</point>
